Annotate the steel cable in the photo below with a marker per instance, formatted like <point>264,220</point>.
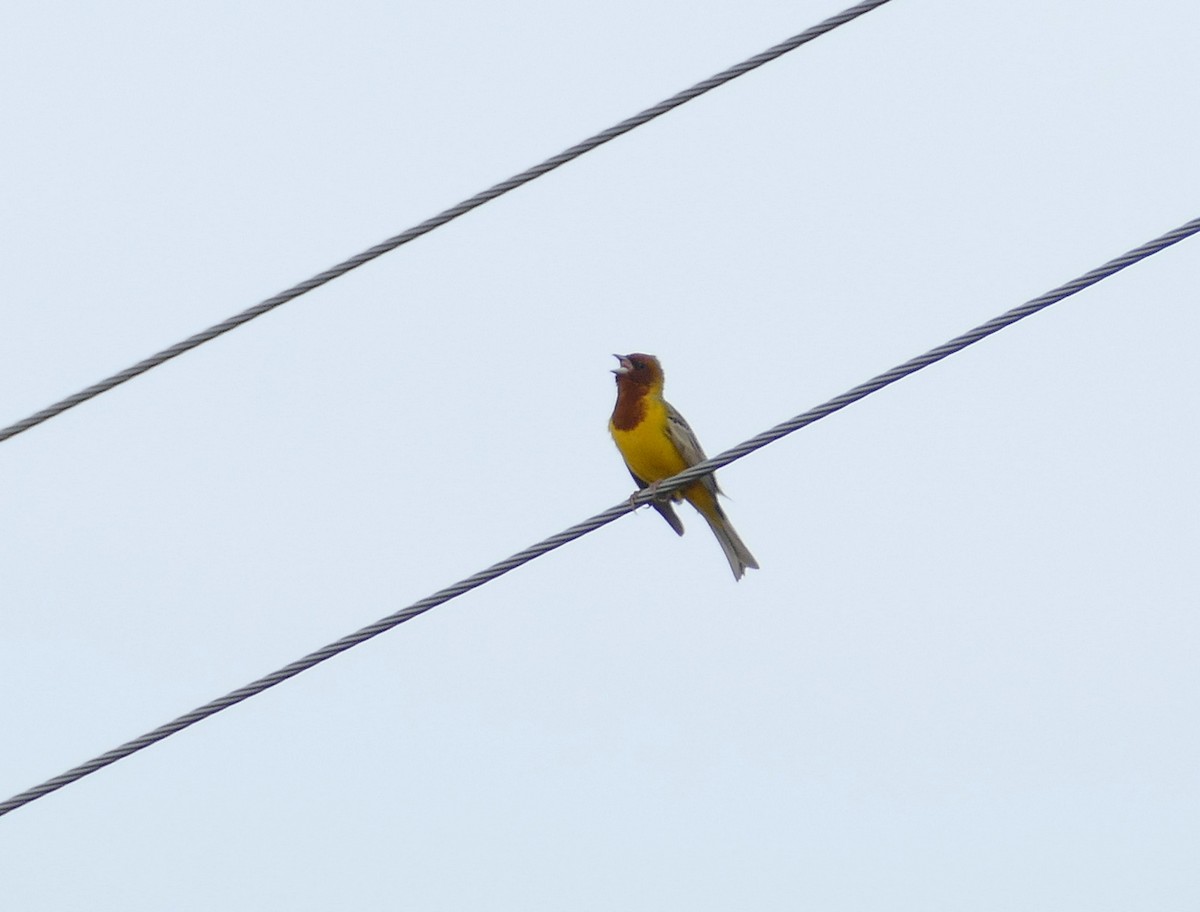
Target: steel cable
<point>600,519</point>
<point>442,218</point>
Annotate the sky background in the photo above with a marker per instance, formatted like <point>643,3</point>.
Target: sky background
<point>966,675</point>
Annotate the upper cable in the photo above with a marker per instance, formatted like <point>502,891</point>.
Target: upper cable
<point>440,219</point>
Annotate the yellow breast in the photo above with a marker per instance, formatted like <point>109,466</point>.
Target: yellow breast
<point>647,449</point>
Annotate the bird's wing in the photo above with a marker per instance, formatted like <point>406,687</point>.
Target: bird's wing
<point>683,437</point>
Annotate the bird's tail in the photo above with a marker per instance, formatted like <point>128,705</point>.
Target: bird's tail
<point>739,556</point>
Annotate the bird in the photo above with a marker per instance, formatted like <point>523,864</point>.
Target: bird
<point>656,442</point>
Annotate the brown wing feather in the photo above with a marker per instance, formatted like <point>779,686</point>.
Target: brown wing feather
<point>684,438</point>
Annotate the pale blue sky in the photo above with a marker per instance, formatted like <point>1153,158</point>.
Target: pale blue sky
<point>966,674</point>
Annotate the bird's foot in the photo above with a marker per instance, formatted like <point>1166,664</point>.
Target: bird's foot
<point>665,497</point>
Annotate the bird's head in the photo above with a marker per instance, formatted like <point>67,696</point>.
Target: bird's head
<point>638,370</point>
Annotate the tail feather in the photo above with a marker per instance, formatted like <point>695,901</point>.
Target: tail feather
<point>739,556</point>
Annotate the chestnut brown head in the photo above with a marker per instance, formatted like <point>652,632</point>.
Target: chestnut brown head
<point>638,370</point>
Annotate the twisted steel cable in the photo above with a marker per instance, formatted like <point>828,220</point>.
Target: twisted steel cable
<point>600,519</point>
<point>442,218</point>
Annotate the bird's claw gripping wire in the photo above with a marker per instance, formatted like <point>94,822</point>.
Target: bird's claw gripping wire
<point>655,497</point>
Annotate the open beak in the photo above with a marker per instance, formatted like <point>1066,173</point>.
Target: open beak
<point>625,367</point>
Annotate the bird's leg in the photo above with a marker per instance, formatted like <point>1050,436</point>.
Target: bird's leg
<point>651,488</point>
<point>655,496</point>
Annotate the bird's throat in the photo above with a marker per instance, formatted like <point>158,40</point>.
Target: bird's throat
<point>631,405</point>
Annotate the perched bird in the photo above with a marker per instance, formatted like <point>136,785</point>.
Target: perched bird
<point>656,443</point>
